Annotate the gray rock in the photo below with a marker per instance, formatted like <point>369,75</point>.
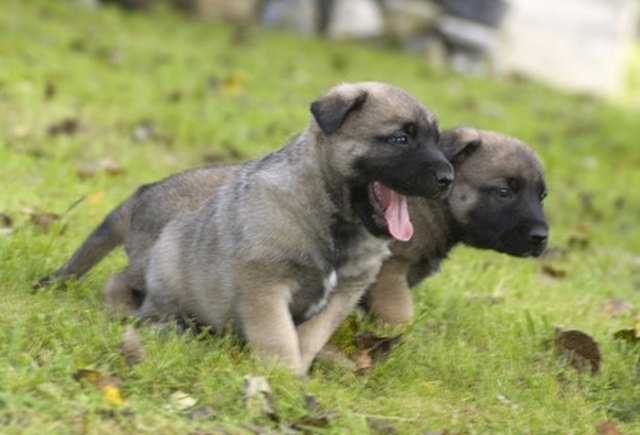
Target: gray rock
<point>407,19</point>
<point>355,19</point>
<point>301,16</point>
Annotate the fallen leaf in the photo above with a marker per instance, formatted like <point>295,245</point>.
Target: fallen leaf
<point>132,347</point>
<point>175,96</point>
<point>553,272</point>
<point>68,126</point>
<point>234,84</point>
<point>113,394</point>
<point>5,220</point>
<point>583,228</point>
<point>607,428</point>
<point>110,385</point>
<point>180,401</point>
<point>588,207</point>
<point>87,170</point>
<point>49,91</point>
<point>6,224</point>
<point>95,198</point>
<point>111,167</point>
<point>578,241</point>
<point>617,307</point>
<point>258,398</point>
<point>381,426</point>
<point>362,360</point>
<point>377,347</point>
<point>42,220</point>
<point>203,413</point>
<point>580,349</point>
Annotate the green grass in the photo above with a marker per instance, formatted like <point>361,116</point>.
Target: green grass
<point>464,365</point>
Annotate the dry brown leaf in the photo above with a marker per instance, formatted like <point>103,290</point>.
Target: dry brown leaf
<point>110,385</point>
<point>203,413</point>
<point>132,347</point>
<point>617,307</point>
<point>381,426</point>
<point>580,349</point>
<point>42,220</point>
<point>5,221</point>
<point>87,170</point>
<point>258,398</point>
<point>578,241</point>
<point>68,126</point>
<point>553,271</point>
<point>6,224</point>
<point>362,360</point>
<point>111,167</point>
<point>49,91</point>
<point>607,428</point>
<point>377,347</point>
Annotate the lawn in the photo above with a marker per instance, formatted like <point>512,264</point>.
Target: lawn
<point>96,102</point>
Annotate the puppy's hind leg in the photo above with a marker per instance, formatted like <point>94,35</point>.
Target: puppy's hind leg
<point>123,294</point>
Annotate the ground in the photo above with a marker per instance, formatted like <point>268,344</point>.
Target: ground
<point>96,102</point>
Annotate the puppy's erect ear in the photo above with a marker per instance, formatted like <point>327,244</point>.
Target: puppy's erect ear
<point>460,143</point>
<point>331,110</point>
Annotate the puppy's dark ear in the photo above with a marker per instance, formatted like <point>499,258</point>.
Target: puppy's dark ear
<point>331,110</point>
<point>460,143</point>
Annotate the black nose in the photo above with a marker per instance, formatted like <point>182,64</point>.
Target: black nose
<point>538,237</point>
<point>444,178</point>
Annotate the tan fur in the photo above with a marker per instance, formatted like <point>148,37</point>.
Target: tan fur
<point>281,254</point>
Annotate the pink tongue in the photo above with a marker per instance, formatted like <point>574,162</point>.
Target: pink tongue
<point>396,213</point>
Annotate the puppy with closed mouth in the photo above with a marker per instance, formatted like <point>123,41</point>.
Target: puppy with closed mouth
<point>283,251</point>
<point>495,203</point>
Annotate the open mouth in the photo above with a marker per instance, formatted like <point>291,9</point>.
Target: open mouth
<point>390,211</point>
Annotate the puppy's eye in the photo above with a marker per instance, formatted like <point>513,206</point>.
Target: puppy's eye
<point>503,192</point>
<point>543,195</point>
<point>401,139</point>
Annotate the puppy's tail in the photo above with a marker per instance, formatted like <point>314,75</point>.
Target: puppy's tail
<point>104,238</point>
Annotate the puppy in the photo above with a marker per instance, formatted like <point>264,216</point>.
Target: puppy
<point>495,203</point>
<point>283,251</point>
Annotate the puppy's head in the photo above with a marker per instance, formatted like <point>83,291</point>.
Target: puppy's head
<point>384,144</point>
<point>497,197</point>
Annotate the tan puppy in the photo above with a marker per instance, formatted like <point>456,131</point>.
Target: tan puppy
<point>495,203</point>
<point>283,252</point>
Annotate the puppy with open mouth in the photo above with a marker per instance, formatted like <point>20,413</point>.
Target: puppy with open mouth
<point>283,251</point>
